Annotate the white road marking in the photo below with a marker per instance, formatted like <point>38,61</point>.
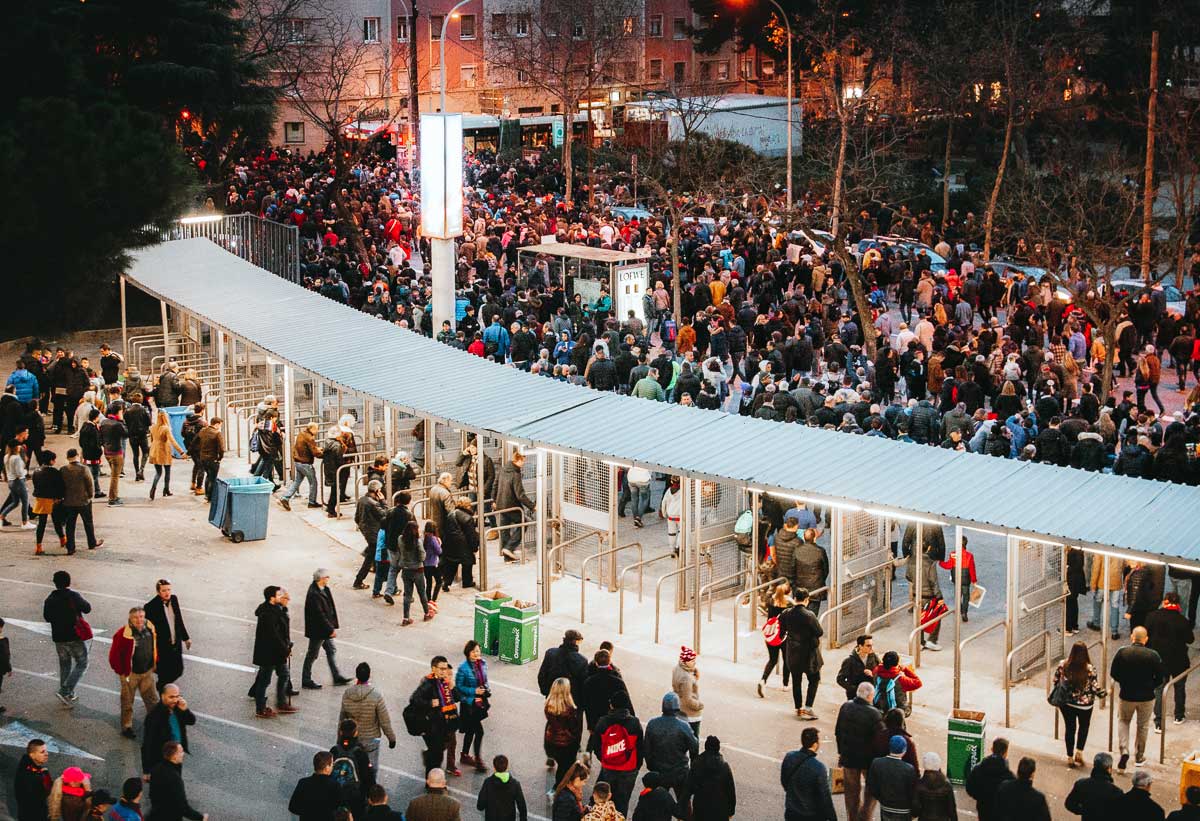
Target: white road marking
<point>44,629</point>
<point>16,734</point>
<point>269,734</point>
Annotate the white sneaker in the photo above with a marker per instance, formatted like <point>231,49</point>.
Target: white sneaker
<point>929,645</point>
<point>29,526</point>
<point>1178,721</point>
<point>786,688</point>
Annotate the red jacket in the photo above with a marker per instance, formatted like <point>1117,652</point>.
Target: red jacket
<point>905,676</point>
<point>120,654</point>
<point>968,565</point>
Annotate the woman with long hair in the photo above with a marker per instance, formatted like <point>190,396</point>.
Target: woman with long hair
<point>162,446</point>
<point>564,727</point>
<point>474,696</point>
<point>18,489</point>
<point>1079,677</point>
<point>779,600</point>
<point>568,795</point>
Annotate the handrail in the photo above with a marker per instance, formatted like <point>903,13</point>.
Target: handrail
<point>658,597</point>
<point>360,459</point>
<point>621,586</point>
<point>920,627</point>
<point>573,540</point>
<point>843,606</point>
<point>583,579</point>
<point>737,603</point>
<point>895,611</point>
<point>1112,711</point>
<point>520,525</point>
<point>962,645</point>
<point>1045,636</point>
<point>714,583</point>
<point>875,569</point>
<point>1162,716</point>
<point>1031,610</point>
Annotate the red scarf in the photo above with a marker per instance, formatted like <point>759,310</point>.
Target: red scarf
<point>1174,607</point>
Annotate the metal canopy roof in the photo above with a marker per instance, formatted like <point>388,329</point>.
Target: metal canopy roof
<point>570,249</point>
<point>413,373</point>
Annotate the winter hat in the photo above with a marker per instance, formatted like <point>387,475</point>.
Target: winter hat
<point>670,703</point>
<point>74,775</point>
<point>687,655</point>
<point>712,744</point>
<point>897,745</point>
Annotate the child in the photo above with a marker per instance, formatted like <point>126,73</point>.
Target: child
<point>968,576</point>
<point>5,660</point>
<point>383,564</point>
<point>433,554</point>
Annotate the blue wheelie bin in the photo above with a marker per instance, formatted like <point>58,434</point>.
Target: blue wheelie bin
<point>218,503</point>
<point>248,503</point>
<point>177,416</point>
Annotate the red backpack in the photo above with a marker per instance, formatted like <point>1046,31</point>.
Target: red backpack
<point>618,749</point>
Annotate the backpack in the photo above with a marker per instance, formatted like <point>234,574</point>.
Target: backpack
<point>618,748</point>
<point>885,693</point>
<point>772,633</point>
<point>254,441</point>
<point>416,718</point>
<point>345,772</point>
<point>742,529</point>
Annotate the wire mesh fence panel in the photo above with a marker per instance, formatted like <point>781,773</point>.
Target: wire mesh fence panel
<point>270,245</point>
<point>583,502</point>
<point>1040,577</point>
<point>864,546</point>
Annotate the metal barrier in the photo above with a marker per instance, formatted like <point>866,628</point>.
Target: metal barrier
<point>272,245</point>
<point>916,632</point>
<point>583,579</point>
<point>709,587</point>
<point>737,606</point>
<point>1162,716</point>
<point>895,611</point>
<point>1029,611</point>
<point>1045,637</point>
<point>575,540</point>
<point>658,595</point>
<point>621,586</point>
<point>842,606</point>
<point>551,523</point>
<point>358,460</point>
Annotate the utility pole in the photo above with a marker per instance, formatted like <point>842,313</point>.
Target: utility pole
<point>414,101</point>
<point>1149,193</point>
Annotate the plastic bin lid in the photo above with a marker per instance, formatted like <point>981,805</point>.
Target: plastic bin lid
<point>254,484</point>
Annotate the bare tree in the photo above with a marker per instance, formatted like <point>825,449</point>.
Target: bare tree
<point>325,77</point>
<point>1179,136</point>
<point>566,48</point>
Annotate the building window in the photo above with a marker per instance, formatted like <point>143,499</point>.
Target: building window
<point>748,68</point>
<point>372,83</point>
<point>723,70</point>
<point>680,75</point>
<point>499,25</point>
<point>522,25</point>
<point>401,29</point>
<point>627,26</point>
<point>853,91</point>
<point>466,76</point>
<point>655,70</point>
<point>522,77</point>
<point>768,69</point>
<point>706,71</point>
<point>466,27</point>
<point>435,26</point>
<point>555,108</point>
<point>293,132</point>
<point>679,28</point>
<point>530,110</point>
<point>295,30</point>
<point>655,27</point>
<point>370,29</point>
<point>578,30</point>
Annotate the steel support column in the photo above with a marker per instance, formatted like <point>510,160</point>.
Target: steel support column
<point>539,500</point>
<point>480,501</point>
<point>958,569</point>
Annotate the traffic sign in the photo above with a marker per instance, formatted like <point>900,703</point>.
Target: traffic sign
<point>556,132</point>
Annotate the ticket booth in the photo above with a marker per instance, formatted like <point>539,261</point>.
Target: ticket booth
<point>582,270</point>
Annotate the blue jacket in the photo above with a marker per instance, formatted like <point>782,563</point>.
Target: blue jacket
<point>466,682</point>
<point>26,384</point>
<point>805,782</point>
<point>496,334</point>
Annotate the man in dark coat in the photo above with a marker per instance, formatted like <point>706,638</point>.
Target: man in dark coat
<point>714,795</point>
<point>510,494</point>
<point>805,782</point>
<point>320,628</point>
<point>803,652</point>
<point>856,667</point>
<point>599,689</point>
<point>985,778</point>
<point>272,648</point>
<point>33,781</point>
<point>168,798</point>
<point>858,724</point>
<point>164,613</point>
<point>1096,797</point>
<point>317,796</point>
<point>564,661</point>
<point>158,727</point>
<point>1017,800</point>
<point>1170,635</point>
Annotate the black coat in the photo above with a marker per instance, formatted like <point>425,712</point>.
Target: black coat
<point>805,782</point>
<point>502,800</point>
<point>1170,635</point>
<point>983,782</point>
<point>320,613</point>
<point>272,635</point>
<point>654,805</point>
<point>854,671</point>
<point>564,661</point>
<point>170,657</point>
<point>1096,797</point>
<point>714,795</point>
<point>31,788</point>
<point>597,693</point>
<point>1017,800</point>
<point>1138,804</point>
<point>315,798</point>
<point>157,731</point>
<point>61,608</point>
<point>168,798</point>
<point>857,725</point>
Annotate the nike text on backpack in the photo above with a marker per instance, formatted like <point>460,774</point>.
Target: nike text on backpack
<point>618,749</point>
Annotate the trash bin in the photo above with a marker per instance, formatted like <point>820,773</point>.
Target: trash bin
<point>519,625</point>
<point>177,416</point>
<point>487,620</point>
<point>1189,775</point>
<point>240,507</point>
<point>218,503</point>
<point>965,734</point>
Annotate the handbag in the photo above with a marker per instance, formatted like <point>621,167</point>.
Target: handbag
<point>1060,695</point>
<point>771,632</point>
<point>83,630</point>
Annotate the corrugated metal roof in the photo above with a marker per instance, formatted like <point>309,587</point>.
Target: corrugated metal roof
<point>416,374</point>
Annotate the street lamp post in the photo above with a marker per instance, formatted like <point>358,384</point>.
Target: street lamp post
<point>442,44</point>
<point>788,25</point>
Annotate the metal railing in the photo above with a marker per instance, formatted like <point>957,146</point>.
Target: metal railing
<point>551,523</point>
<point>716,582</point>
<point>583,578</point>
<point>737,606</point>
<point>558,548</point>
<point>621,586</point>
<point>916,631</point>
<point>272,245</point>
<point>658,595</point>
<point>842,606</point>
<point>895,611</point>
<point>1044,636</point>
<point>1162,716</point>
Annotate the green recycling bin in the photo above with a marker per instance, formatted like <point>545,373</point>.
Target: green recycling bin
<point>487,620</point>
<point>519,626</point>
<point>965,739</point>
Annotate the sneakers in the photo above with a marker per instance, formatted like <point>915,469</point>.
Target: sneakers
<point>759,688</point>
<point>265,712</point>
<point>808,714</point>
<point>286,709</point>
<point>387,597</point>
<point>429,616</point>
<point>28,526</point>
<point>406,622</point>
<point>1140,762</point>
<point>1158,729</point>
<point>128,733</point>
<point>934,646</point>
<point>551,763</point>
<point>1079,757</point>
<point>1178,721</point>
<point>285,504</point>
<point>454,772</point>
<point>116,502</point>
<point>66,700</point>
<point>1123,762</point>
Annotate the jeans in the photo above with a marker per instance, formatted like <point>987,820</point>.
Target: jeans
<point>799,662</point>
<point>163,472</point>
<point>392,574</point>
<point>1126,712</point>
<point>267,467</point>
<point>1180,688</point>
<point>382,574</point>
<point>18,497</point>
<point>72,664</point>
<point>774,657</point>
<point>414,579</point>
<point>139,451</point>
<point>210,477</point>
<point>264,678</point>
<point>1116,604</point>
<point>303,472</point>
<point>640,496</point>
<point>1077,721</point>
<point>433,582</point>
<point>95,469</point>
<point>69,516</point>
<point>116,464</point>
<point>314,648</point>
<point>371,745</point>
<point>510,538</point>
<point>622,784</point>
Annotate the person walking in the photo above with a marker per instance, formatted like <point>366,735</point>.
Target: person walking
<point>893,683</point>
<point>1077,682</point>
<point>805,782</point>
<point>434,696</point>
<point>564,728</point>
<point>685,682</point>
<point>435,804</point>
<point>317,796</point>
<point>167,720</point>
<point>618,742</point>
<point>1096,797</point>
<point>603,683</point>
<point>168,797</point>
<point>501,797</point>
<point>1169,635</point>
<point>671,747</point>
<point>132,656</point>
<point>166,617</point>
<point>210,449</point>
<point>474,702</point>
<point>711,785</point>
<point>564,661</point>
<point>1017,800</point>
<point>163,446</point>
<point>64,609</point>
<point>113,434</point>
<point>811,570</point>
<point>510,494</point>
<point>985,778</point>
<point>857,726</point>
<point>778,601</point>
<point>320,628</point>
<point>892,782</point>
<point>91,449</point>
<point>1139,671</point>
<point>410,561</point>
<point>33,782</point>
<point>432,545</point>
<point>802,650</point>
<point>364,704</point>
<point>305,453</point>
<point>272,649</point>
<point>1113,582</point>
<point>933,799</point>
<point>369,515</point>
<point>18,486</point>
<point>137,423</point>
<point>48,493</point>
<point>858,666</point>
<point>78,491</point>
